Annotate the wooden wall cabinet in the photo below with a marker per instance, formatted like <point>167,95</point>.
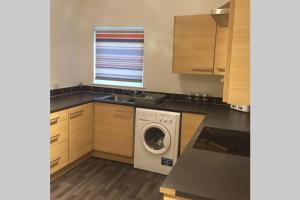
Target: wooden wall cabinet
<point>194,44</point>
<point>58,140</point>
<point>113,129</point>
<point>80,131</point>
<point>221,50</point>
<point>237,76</point>
<point>200,46</point>
<point>190,122</point>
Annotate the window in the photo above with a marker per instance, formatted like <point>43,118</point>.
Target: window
<point>119,56</point>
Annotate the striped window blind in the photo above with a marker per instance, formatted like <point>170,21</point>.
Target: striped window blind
<point>119,56</point>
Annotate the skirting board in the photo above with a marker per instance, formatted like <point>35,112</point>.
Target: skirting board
<point>114,157</point>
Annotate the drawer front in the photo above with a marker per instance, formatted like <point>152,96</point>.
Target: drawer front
<point>58,117</point>
<point>59,132</point>
<point>80,131</point>
<point>58,156</point>
<point>80,112</point>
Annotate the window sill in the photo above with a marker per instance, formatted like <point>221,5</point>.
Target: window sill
<point>118,86</point>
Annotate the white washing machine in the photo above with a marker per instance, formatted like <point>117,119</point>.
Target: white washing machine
<point>156,140</point>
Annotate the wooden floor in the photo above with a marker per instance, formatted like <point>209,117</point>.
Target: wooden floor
<point>103,179</point>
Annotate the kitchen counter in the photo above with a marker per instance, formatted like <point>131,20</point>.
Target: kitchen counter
<point>198,174</point>
<point>202,174</point>
<point>70,100</point>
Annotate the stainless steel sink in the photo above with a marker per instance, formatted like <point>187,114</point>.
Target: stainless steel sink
<point>119,98</point>
<point>149,99</point>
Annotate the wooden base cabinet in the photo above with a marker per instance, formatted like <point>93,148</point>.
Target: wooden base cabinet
<point>80,131</point>
<point>169,197</point>
<point>113,129</point>
<point>59,156</point>
<point>170,194</point>
<point>190,122</point>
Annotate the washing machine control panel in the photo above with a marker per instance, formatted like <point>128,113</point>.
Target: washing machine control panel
<point>158,117</point>
<point>165,119</point>
<point>148,116</point>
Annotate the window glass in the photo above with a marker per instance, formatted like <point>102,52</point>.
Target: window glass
<point>119,56</point>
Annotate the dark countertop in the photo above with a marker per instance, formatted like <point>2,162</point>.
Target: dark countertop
<point>201,174</point>
<point>198,174</point>
<point>70,100</point>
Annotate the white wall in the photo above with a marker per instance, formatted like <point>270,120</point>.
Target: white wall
<point>65,67</point>
<point>72,41</point>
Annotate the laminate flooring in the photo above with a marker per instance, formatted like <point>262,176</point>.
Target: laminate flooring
<point>101,179</point>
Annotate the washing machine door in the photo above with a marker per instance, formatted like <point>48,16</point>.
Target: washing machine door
<point>156,138</point>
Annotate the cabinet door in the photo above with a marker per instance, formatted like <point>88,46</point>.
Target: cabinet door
<point>114,129</point>
<point>58,116</point>
<point>80,131</point>
<point>221,50</point>
<point>237,76</point>
<point>190,122</point>
<point>194,44</point>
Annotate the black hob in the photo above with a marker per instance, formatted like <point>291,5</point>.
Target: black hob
<point>224,141</point>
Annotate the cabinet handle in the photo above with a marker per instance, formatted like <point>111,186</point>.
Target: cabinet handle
<point>202,69</point>
<point>54,162</point>
<point>54,138</point>
<point>76,114</point>
<point>54,121</point>
<point>221,69</point>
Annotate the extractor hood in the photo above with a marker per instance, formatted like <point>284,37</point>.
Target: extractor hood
<point>221,15</point>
